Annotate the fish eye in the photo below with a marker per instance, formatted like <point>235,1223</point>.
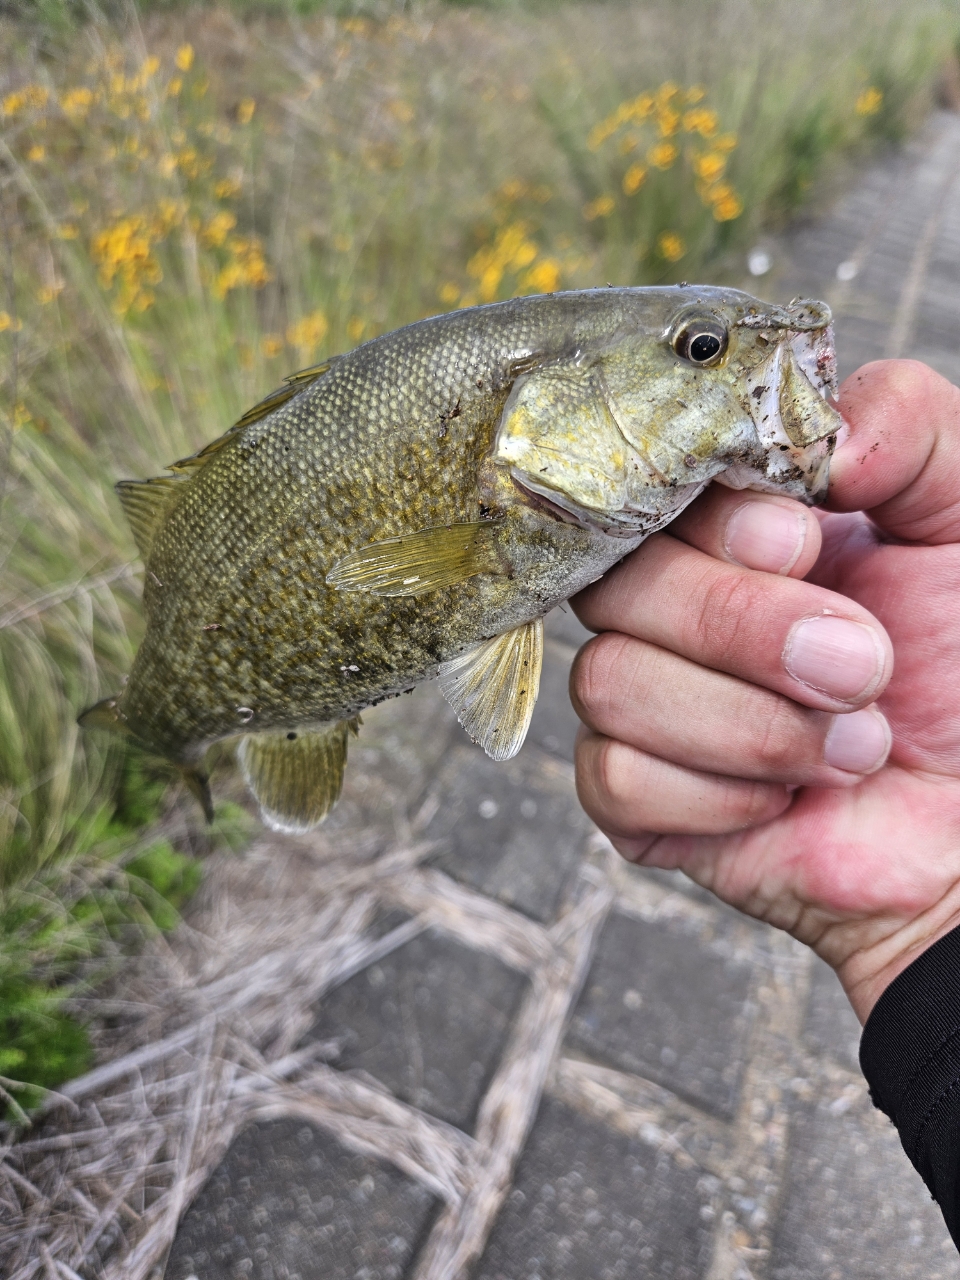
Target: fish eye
<point>701,340</point>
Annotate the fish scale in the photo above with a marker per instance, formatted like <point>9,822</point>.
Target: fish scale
<point>425,499</point>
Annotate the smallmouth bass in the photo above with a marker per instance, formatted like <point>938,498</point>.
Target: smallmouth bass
<point>411,510</point>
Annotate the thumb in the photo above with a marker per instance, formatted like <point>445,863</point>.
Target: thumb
<point>901,459</point>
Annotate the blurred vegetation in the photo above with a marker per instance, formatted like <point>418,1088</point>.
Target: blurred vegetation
<point>192,204</point>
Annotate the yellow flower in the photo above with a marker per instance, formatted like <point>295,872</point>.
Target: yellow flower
<point>307,334</point>
<point>218,228</point>
<point>633,179</point>
<point>184,57</point>
<point>600,133</point>
<point>671,246</point>
<point>695,94</point>
<point>150,67</point>
<point>709,166</point>
<point>271,344</point>
<point>49,292</point>
<point>668,121</point>
<point>663,155</point>
<point>245,110</point>
<point>449,293</point>
<point>512,250</point>
<point>602,207</point>
<point>31,96</point>
<point>355,328</point>
<point>67,231</point>
<point>245,355</point>
<point>167,165</point>
<point>729,207</point>
<point>174,87</point>
<point>37,153</point>
<point>7,322</point>
<point>226,188</point>
<point>401,111</point>
<point>543,277</point>
<point>246,266</point>
<point>703,121</point>
<point>75,103</point>
<point>869,102</point>
<point>726,142</point>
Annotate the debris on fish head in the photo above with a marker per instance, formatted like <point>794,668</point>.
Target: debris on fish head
<point>619,436</point>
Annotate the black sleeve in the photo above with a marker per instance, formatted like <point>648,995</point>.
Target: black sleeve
<point>910,1054</point>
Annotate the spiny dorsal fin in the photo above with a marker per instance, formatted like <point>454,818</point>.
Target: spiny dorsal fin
<point>311,373</point>
<point>422,561</point>
<point>493,688</point>
<point>145,503</point>
<point>293,385</point>
<point>296,774</point>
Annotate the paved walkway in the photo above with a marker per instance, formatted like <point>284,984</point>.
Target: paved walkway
<point>456,1037</point>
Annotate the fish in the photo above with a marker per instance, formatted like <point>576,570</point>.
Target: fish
<point>412,509</point>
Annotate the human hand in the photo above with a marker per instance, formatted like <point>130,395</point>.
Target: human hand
<point>744,719</point>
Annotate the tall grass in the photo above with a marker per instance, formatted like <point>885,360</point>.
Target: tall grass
<point>189,208</point>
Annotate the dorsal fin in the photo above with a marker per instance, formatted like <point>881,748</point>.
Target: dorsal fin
<point>293,384</point>
<point>145,503</point>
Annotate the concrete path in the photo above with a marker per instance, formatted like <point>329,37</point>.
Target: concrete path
<point>546,1064</point>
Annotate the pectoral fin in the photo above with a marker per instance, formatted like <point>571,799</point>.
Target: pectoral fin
<point>493,688</point>
<point>418,562</point>
<point>296,775</point>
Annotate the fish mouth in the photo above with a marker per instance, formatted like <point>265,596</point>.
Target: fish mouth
<point>562,507</point>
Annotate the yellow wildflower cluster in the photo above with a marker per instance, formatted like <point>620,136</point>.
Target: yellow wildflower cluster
<point>664,108</point>
<point>245,265</point>
<point>32,97</point>
<point>512,251</point>
<point>671,115</point>
<point>123,254</point>
<point>127,119</point>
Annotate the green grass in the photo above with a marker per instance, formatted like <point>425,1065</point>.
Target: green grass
<point>177,235</point>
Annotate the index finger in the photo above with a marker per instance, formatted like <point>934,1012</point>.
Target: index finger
<point>901,459</point>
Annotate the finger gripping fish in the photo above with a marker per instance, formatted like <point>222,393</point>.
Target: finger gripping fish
<point>413,509</point>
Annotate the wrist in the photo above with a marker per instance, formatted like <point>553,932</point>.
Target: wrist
<point>867,972</point>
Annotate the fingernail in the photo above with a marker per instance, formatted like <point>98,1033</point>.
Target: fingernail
<point>841,658</point>
<point>859,742</point>
<point>766,535</point>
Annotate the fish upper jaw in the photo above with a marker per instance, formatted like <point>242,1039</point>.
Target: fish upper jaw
<point>789,398</point>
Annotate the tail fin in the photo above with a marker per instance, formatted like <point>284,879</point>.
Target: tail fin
<point>105,714</point>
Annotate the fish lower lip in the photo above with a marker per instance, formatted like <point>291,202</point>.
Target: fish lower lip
<point>583,518</point>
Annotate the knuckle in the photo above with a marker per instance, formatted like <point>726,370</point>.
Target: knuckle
<point>748,804</point>
<point>779,745</point>
<point>726,620</point>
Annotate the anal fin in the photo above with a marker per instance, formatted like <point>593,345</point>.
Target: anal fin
<point>423,561</point>
<point>493,688</point>
<point>296,774</point>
